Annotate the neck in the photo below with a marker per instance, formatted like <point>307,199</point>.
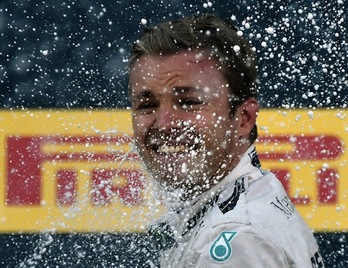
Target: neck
<point>196,187</point>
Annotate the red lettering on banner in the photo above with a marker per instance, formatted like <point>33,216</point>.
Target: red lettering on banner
<point>308,148</point>
<point>66,187</point>
<point>284,176</point>
<point>327,186</point>
<point>23,185</point>
<point>103,188</point>
<point>25,158</point>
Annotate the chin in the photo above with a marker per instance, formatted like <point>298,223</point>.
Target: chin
<point>189,181</point>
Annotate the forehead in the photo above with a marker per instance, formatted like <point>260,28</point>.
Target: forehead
<point>182,57</point>
<point>184,67</point>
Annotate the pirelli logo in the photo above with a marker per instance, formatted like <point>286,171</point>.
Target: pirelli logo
<point>296,152</point>
<point>30,157</point>
<point>68,172</point>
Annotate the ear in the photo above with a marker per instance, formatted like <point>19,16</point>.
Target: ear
<point>246,114</point>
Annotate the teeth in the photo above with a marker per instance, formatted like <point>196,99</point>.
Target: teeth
<point>171,149</point>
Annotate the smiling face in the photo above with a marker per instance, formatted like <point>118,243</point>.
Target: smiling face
<point>181,119</point>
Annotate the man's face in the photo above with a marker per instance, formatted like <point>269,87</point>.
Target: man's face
<point>181,119</point>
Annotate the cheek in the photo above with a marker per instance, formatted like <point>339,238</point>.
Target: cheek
<point>206,119</point>
<point>212,127</point>
<point>139,127</point>
<point>218,123</point>
<point>223,129</point>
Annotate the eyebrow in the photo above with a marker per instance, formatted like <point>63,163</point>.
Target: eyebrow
<point>183,89</point>
<point>143,94</point>
<point>178,89</point>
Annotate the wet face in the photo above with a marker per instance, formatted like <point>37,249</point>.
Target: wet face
<point>181,119</point>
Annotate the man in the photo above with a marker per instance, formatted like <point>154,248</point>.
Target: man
<point>193,93</point>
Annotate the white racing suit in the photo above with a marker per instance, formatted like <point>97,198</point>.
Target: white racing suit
<point>247,220</point>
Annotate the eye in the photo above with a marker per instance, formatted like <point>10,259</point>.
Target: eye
<point>190,103</point>
<point>145,107</point>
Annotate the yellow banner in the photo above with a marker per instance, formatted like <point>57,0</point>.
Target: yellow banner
<point>308,152</point>
<point>77,170</point>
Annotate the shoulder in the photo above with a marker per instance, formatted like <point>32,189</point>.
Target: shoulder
<point>252,202</point>
<point>237,245</point>
<point>264,227</point>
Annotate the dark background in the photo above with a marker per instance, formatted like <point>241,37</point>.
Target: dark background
<point>73,55</point>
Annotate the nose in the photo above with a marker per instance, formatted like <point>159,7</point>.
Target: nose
<point>166,118</point>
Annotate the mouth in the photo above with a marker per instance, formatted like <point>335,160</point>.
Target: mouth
<point>186,142</point>
<point>171,149</point>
